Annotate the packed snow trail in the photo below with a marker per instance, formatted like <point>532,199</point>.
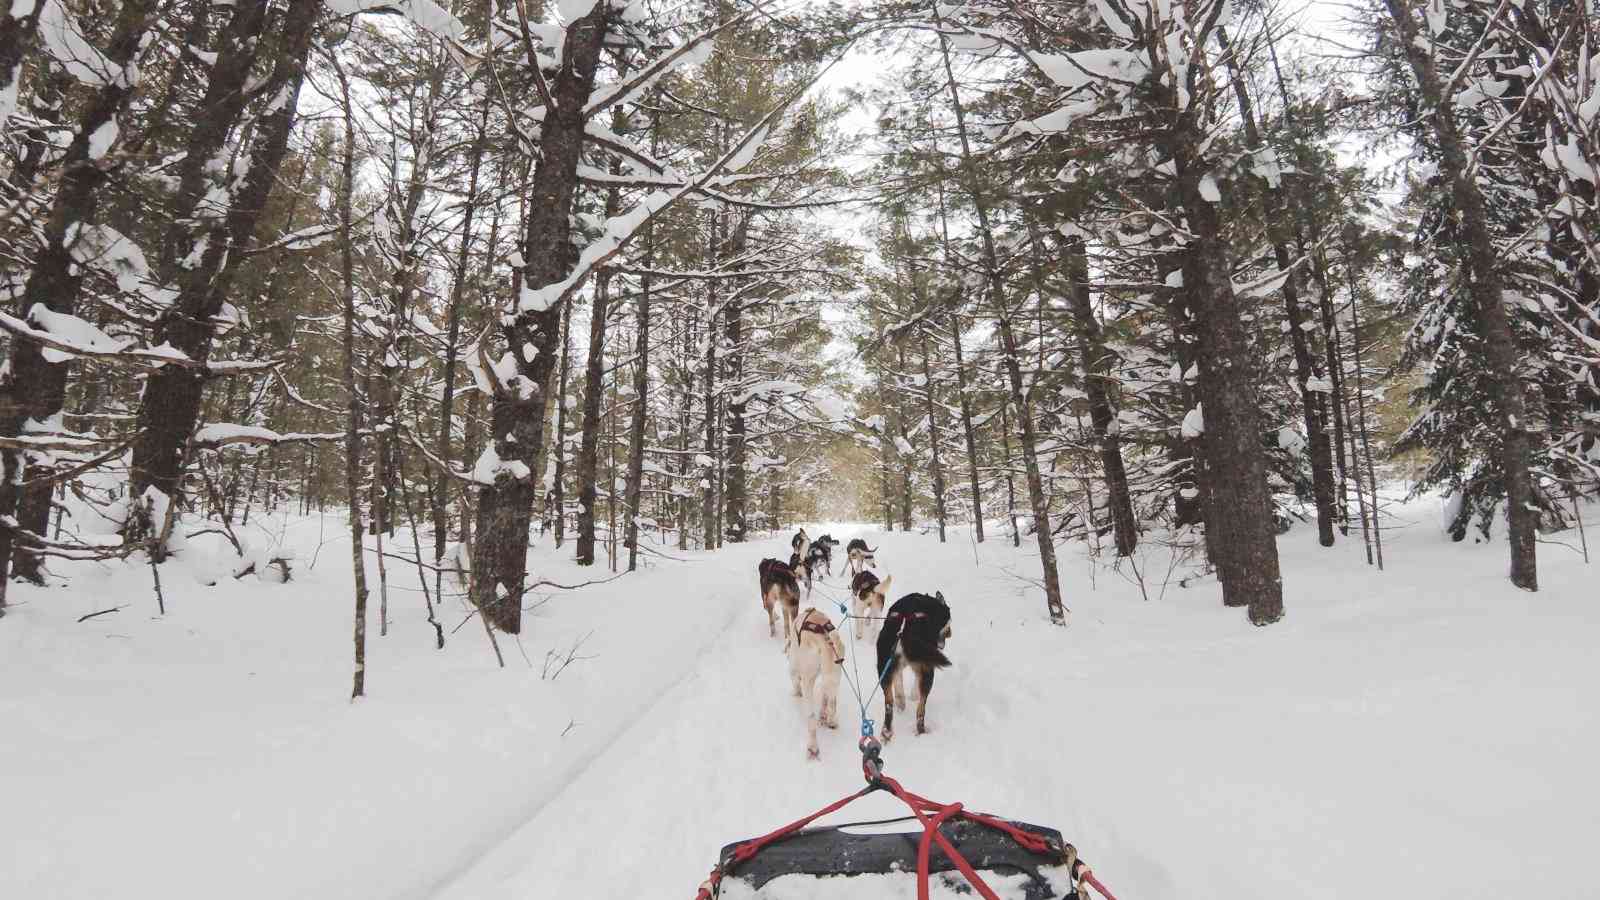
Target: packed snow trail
<point>1429,729</point>
<point>1186,753</point>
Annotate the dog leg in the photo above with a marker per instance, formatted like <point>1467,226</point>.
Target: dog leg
<point>901,691</point>
<point>888,701</point>
<point>925,687</point>
<point>830,694</point>
<point>807,690</point>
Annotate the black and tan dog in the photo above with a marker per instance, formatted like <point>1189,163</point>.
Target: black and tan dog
<point>821,555</point>
<point>870,596</point>
<point>778,585</point>
<point>800,543</point>
<point>861,556</point>
<point>912,638</point>
<point>802,567</point>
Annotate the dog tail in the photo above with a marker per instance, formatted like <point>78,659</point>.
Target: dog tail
<point>882,589</point>
<point>925,652</point>
<point>887,638</point>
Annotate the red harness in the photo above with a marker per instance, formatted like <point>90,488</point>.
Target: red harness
<point>823,630</point>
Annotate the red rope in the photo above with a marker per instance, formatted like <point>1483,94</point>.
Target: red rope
<point>931,814</point>
<point>1095,882</point>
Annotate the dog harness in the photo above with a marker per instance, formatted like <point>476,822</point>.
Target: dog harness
<point>823,630</point>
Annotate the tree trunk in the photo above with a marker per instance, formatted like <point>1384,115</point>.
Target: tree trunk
<point>505,508</point>
<point>212,256</point>
<point>1030,456</point>
<point>593,387</point>
<point>1239,521</point>
<point>441,488</point>
<point>735,494</point>
<point>933,437</point>
<point>1279,209</point>
<point>1096,378</point>
<point>1011,482</point>
<point>32,388</point>
<point>641,392</point>
<point>352,433</point>
<point>1484,287</point>
<point>967,429</point>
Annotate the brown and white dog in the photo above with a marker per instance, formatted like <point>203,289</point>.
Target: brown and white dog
<point>861,556</point>
<point>816,653</point>
<point>778,586</point>
<point>912,639</point>
<point>870,597</point>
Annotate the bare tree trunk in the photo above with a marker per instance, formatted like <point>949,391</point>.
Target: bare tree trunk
<point>708,488</point>
<point>1484,287</point>
<point>1102,417</point>
<point>1030,457</point>
<point>933,437</point>
<point>735,497</point>
<point>641,393</point>
<point>593,388</point>
<point>1011,482</point>
<point>558,446</point>
<point>352,433</point>
<point>1361,405</point>
<point>967,429</point>
<point>1334,353</point>
<point>440,491</point>
<point>905,458</point>
<point>505,509</point>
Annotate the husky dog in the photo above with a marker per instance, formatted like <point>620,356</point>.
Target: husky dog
<point>821,554</point>
<point>815,652</point>
<point>800,543</point>
<point>912,638</point>
<point>861,556</point>
<point>802,568</point>
<point>870,595</point>
<point>778,585</point>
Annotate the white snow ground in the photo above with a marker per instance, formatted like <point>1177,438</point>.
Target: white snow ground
<point>1424,732</point>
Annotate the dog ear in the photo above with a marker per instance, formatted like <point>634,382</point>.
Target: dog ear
<point>939,595</point>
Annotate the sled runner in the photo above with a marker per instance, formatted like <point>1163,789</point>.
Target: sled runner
<point>954,852</point>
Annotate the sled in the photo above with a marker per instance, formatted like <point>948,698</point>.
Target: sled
<point>950,852</point>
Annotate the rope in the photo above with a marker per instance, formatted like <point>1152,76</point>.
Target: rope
<point>931,814</point>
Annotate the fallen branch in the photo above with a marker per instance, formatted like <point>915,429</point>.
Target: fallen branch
<point>100,613</point>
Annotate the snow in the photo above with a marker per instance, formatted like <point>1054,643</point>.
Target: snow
<point>103,137</point>
<point>1194,422</point>
<point>1077,70</point>
<point>63,38</point>
<point>1113,21</point>
<point>425,14</point>
<point>1208,188</point>
<point>1437,15</point>
<point>1184,752</point>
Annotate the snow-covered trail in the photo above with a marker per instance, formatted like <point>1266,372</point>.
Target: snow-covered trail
<point>1426,731</point>
<point>1400,729</point>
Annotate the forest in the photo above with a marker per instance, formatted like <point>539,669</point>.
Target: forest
<point>1182,287</point>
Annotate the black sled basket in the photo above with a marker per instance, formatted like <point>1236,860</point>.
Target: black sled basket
<point>839,851</point>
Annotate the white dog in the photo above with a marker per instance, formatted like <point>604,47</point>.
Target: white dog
<point>816,652</point>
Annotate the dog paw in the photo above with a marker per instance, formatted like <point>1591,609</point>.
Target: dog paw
<point>921,728</point>
<point>813,753</point>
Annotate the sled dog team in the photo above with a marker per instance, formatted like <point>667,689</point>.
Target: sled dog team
<point>910,636</point>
